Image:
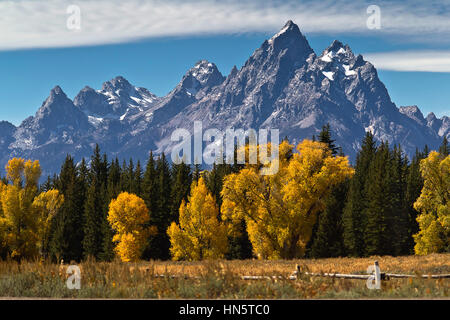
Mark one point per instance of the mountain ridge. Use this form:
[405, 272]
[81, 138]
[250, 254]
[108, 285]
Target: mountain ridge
[284, 84]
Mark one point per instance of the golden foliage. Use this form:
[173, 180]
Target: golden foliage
[200, 235]
[280, 209]
[434, 205]
[25, 216]
[46, 205]
[128, 216]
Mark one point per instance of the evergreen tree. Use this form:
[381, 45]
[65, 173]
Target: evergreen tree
[354, 221]
[112, 191]
[398, 214]
[414, 185]
[96, 207]
[157, 196]
[149, 194]
[130, 177]
[197, 172]
[181, 182]
[114, 179]
[124, 177]
[162, 217]
[325, 137]
[444, 149]
[377, 206]
[48, 184]
[67, 229]
[138, 180]
[328, 239]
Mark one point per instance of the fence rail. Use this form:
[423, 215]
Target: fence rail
[298, 273]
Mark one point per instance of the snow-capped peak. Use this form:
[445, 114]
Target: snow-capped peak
[337, 52]
[337, 59]
[203, 74]
[203, 70]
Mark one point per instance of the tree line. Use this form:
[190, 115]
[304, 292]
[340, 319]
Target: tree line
[316, 206]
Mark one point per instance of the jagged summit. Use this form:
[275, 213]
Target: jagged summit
[57, 91]
[337, 51]
[118, 83]
[206, 73]
[290, 36]
[233, 71]
[56, 98]
[289, 29]
[414, 113]
[431, 116]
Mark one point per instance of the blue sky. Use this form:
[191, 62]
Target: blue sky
[153, 43]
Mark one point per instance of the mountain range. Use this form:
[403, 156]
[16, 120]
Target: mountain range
[284, 85]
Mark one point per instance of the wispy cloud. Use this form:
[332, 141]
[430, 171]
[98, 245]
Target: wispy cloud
[424, 61]
[42, 23]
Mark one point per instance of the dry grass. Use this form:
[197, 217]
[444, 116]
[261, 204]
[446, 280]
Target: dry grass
[431, 264]
[220, 279]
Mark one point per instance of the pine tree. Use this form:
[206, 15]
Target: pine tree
[197, 172]
[328, 240]
[149, 194]
[353, 219]
[414, 185]
[130, 177]
[114, 179]
[325, 137]
[138, 180]
[376, 210]
[48, 184]
[444, 149]
[112, 191]
[157, 196]
[398, 214]
[124, 177]
[67, 230]
[96, 207]
[181, 182]
[162, 217]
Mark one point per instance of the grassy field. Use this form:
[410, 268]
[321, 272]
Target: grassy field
[221, 279]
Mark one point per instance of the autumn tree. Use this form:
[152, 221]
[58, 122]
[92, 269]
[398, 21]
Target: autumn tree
[434, 205]
[128, 216]
[327, 237]
[200, 235]
[46, 205]
[280, 209]
[25, 216]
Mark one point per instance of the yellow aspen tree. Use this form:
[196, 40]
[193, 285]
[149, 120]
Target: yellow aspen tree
[46, 205]
[128, 217]
[280, 209]
[2, 217]
[19, 220]
[200, 235]
[434, 206]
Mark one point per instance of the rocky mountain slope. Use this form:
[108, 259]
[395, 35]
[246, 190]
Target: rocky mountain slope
[284, 85]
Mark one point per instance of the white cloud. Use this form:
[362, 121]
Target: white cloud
[42, 23]
[425, 61]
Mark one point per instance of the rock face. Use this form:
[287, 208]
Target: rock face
[284, 85]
